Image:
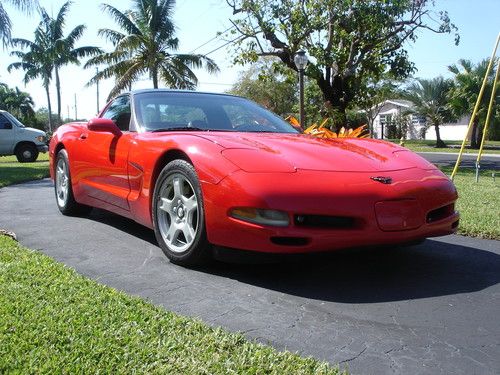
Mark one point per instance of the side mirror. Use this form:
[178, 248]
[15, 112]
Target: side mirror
[103, 125]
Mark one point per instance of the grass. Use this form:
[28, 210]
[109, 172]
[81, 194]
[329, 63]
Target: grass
[13, 172]
[491, 147]
[478, 203]
[53, 320]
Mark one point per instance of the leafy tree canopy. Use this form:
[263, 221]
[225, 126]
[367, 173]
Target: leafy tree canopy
[263, 85]
[348, 41]
[463, 97]
[18, 103]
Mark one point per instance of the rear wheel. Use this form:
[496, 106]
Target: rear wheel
[178, 215]
[62, 187]
[26, 153]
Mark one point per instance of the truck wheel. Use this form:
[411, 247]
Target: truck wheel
[62, 187]
[26, 153]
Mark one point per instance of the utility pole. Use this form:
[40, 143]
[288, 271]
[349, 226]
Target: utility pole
[67, 108]
[76, 110]
[96, 73]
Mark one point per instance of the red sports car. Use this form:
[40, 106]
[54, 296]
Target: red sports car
[208, 169]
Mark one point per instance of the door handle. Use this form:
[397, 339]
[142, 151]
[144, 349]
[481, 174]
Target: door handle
[83, 136]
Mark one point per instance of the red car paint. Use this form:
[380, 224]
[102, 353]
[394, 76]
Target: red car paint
[307, 177]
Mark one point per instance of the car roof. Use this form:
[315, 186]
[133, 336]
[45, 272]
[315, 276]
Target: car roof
[190, 92]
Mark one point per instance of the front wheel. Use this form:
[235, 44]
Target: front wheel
[178, 215]
[26, 153]
[62, 187]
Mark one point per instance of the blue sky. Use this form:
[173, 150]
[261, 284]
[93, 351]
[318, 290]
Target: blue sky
[199, 20]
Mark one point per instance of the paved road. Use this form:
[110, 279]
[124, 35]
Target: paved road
[488, 161]
[430, 309]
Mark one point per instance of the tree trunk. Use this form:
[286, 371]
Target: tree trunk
[154, 75]
[474, 135]
[46, 86]
[334, 101]
[58, 90]
[439, 141]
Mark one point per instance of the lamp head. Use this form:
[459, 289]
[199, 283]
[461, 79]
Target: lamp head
[300, 60]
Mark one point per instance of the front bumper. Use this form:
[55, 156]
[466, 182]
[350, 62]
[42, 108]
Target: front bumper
[406, 213]
[42, 148]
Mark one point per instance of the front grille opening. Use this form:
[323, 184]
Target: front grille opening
[290, 241]
[323, 221]
[440, 213]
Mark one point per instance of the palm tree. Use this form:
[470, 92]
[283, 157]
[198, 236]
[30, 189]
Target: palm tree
[463, 97]
[430, 98]
[17, 102]
[35, 62]
[61, 49]
[147, 44]
[5, 22]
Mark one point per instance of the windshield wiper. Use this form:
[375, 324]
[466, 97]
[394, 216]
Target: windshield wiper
[182, 128]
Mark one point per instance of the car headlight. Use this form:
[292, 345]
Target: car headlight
[41, 139]
[259, 216]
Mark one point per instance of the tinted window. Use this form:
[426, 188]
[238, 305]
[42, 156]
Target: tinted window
[171, 110]
[4, 123]
[119, 112]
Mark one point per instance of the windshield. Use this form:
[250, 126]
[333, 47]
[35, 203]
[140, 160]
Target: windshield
[165, 111]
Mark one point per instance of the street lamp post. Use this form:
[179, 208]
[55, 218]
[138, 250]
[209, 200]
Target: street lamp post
[300, 61]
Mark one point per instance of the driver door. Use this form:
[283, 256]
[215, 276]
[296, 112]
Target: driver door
[104, 156]
[7, 136]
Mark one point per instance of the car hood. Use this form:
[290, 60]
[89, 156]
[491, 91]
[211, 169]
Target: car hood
[271, 152]
[34, 131]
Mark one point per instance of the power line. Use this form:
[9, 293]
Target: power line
[225, 44]
[215, 37]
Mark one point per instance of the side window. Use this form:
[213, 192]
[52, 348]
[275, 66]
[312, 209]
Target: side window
[119, 112]
[4, 123]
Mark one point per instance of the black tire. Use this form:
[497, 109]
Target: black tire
[181, 249]
[26, 153]
[66, 204]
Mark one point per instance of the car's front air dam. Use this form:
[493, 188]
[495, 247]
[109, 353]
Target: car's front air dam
[340, 194]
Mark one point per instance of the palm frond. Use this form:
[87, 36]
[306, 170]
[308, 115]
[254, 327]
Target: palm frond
[5, 26]
[127, 78]
[111, 35]
[121, 19]
[74, 35]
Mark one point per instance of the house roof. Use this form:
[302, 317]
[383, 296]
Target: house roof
[399, 102]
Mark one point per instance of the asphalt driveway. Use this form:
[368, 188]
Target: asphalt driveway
[446, 159]
[432, 308]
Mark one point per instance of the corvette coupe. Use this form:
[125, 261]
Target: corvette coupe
[205, 170]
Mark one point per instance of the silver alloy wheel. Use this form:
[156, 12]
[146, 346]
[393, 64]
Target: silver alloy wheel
[62, 182]
[177, 212]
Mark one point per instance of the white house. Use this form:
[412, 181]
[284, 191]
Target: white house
[396, 113]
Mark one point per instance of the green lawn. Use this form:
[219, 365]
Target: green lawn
[491, 147]
[478, 203]
[53, 320]
[13, 172]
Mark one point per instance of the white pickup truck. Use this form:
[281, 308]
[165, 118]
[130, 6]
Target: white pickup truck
[17, 139]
